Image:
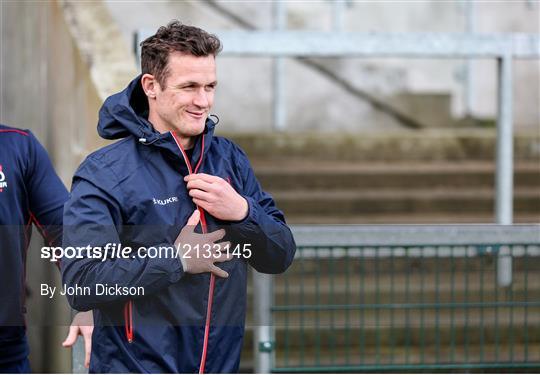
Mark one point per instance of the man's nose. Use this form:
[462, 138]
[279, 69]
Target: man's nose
[201, 99]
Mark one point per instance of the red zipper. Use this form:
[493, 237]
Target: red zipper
[128, 320]
[128, 307]
[212, 276]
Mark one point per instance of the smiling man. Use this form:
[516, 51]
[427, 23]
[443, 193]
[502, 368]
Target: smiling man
[170, 184]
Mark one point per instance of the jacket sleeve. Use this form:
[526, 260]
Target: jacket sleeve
[272, 243]
[46, 193]
[92, 216]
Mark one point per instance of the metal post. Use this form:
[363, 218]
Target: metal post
[504, 174]
[338, 13]
[77, 357]
[468, 76]
[279, 110]
[78, 352]
[263, 329]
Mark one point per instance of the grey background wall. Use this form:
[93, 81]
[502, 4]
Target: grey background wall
[41, 90]
[315, 102]
[50, 83]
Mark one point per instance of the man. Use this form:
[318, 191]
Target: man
[30, 193]
[152, 189]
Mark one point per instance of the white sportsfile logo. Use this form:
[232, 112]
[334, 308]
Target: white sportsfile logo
[163, 202]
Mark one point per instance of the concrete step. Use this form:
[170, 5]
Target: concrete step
[306, 290]
[368, 348]
[473, 330]
[385, 310]
[326, 355]
[397, 201]
[407, 177]
[394, 290]
[372, 273]
[342, 193]
[401, 218]
[431, 109]
[333, 176]
[399, 146]
[382, 320]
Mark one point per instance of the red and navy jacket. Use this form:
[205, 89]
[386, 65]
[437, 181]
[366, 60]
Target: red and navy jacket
[30, 193]
[133, 193]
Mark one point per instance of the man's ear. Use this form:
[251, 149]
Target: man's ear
[149, 85]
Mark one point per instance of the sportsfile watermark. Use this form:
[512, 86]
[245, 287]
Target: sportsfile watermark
[118, 251]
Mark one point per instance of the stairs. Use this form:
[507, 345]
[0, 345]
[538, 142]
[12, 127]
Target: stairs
[429, 192]
[410, 178]
[428, 176]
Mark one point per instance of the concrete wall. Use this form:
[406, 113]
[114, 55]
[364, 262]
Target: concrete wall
[35, 71]
[53, 79]
[244, 95]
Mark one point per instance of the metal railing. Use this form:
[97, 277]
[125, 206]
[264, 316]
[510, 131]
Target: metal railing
[397, 298]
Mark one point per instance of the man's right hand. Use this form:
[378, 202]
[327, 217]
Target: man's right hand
[201, 258]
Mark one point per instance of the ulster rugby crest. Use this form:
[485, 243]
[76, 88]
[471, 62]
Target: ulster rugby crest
[3, 182]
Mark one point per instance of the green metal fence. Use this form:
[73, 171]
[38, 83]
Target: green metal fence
[408, 303]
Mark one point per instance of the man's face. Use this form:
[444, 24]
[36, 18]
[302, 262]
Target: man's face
[184, 102]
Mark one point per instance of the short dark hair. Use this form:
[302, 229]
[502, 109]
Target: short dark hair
[175, 37]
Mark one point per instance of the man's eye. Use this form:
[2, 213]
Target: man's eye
[210, 87]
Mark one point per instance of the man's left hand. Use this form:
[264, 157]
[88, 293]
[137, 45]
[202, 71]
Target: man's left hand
[217, 197]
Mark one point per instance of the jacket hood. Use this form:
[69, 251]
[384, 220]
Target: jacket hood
[126, 113]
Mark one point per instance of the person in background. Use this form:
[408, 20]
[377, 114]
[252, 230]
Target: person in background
[30, 193]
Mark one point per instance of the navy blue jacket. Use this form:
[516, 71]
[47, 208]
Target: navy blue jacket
[30, 193]
[132, 192]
